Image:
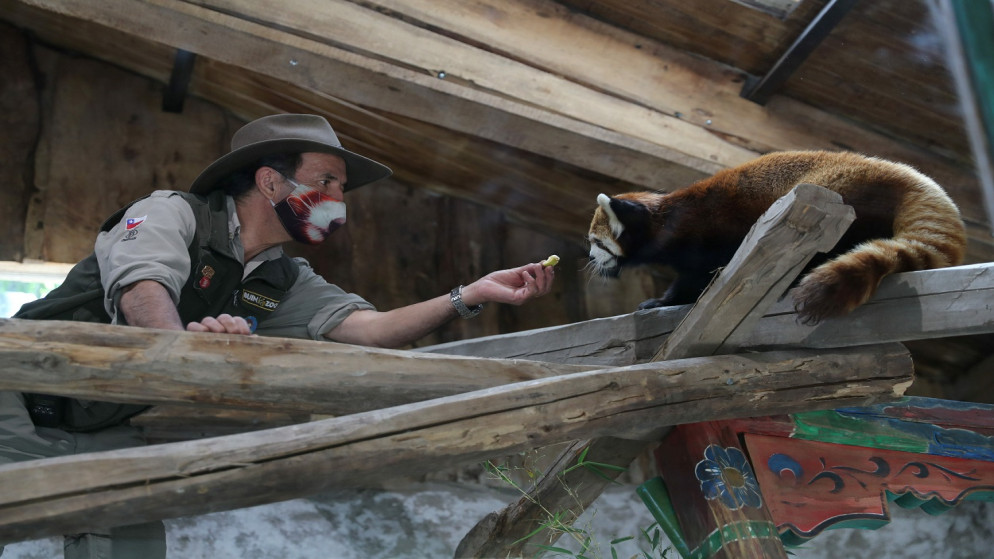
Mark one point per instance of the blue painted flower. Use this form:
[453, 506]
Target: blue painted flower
[726, 474]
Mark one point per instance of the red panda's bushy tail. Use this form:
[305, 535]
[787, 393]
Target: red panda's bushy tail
[928, 233]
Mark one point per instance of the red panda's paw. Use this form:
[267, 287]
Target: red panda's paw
[831, 290]
[654, 303]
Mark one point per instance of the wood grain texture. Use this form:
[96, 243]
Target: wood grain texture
[20, 115]
[121, 364]
[922, 305]
[63, 495]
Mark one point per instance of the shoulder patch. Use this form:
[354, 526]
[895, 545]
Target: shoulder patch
[133, 222]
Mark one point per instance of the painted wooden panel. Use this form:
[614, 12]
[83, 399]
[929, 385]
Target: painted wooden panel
[810, 486]
[715, 494]
[818, 470]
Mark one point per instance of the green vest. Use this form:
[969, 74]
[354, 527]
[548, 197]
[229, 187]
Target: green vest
[215, 287]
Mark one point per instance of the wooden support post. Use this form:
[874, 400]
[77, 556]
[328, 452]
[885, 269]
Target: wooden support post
[806, 220]
[715, 495]
[739, 296]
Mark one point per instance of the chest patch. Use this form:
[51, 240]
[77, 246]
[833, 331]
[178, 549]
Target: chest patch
[259, 300]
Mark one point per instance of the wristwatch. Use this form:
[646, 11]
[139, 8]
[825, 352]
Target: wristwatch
[466, 312]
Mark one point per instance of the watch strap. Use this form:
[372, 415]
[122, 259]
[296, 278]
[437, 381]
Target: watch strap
[466, 312]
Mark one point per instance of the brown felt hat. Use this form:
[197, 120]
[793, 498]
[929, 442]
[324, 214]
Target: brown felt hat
[287, 133]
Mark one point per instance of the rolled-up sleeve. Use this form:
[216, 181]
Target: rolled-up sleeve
[312, 307]
[151, 242]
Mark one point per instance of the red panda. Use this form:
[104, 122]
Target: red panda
[904, 222]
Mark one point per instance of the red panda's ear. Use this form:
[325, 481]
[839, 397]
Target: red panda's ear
[629, 212]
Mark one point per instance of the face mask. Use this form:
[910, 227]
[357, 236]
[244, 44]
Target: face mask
[308, 215]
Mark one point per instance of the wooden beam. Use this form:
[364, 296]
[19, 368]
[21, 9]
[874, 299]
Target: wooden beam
[140, 365]
[910, 306]
[302, 43]
[549, 36]
[72, 493]
[544, 38]
[809, 219]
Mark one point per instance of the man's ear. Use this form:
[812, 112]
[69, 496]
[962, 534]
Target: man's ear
[267, 180]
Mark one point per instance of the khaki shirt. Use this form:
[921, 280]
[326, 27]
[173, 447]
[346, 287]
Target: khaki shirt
[151, 243]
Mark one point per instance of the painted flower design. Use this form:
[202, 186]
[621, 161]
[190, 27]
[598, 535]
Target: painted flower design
[726, 474]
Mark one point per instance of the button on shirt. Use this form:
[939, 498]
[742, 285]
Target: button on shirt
[151, 242]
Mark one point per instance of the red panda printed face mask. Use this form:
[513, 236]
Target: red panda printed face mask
[308, 215]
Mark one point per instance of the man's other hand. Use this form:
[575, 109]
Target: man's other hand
[222, 324]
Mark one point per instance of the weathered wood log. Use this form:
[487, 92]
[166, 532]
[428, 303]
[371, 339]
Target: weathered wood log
[730, 307]
[73, 493]
[161, 424]
[909, 306]
[122, 364]
[806, 220]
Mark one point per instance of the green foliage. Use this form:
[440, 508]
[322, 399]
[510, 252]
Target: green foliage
[559, 523]
[594, 467]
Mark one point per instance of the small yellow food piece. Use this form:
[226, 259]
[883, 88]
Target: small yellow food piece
[550, 261]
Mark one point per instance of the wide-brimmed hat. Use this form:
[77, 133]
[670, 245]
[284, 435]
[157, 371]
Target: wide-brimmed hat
[287, 133]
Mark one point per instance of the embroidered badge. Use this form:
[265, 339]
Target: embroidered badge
[130, 236]
[205, 277]
[260, 301]
[133, 222]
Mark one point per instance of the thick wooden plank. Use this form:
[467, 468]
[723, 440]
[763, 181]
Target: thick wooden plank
[909, 306]
[387, 75]
[807, 220]
[369, 31]
[669, 79]
[64, 495]
[118, 134]
[122, 364]
[876, 66]
[183, 423]
[702, 26]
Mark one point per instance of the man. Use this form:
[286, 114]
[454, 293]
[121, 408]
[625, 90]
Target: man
[211, 261]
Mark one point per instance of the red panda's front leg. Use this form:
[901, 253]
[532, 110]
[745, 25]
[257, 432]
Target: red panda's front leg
[684, 290]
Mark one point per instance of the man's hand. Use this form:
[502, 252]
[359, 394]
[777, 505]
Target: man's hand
[223, 324]
[147, 304]
[514, 286]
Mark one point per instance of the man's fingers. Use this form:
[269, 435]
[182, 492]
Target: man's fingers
[223, 324]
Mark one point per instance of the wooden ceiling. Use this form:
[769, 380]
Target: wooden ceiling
[535, 106]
